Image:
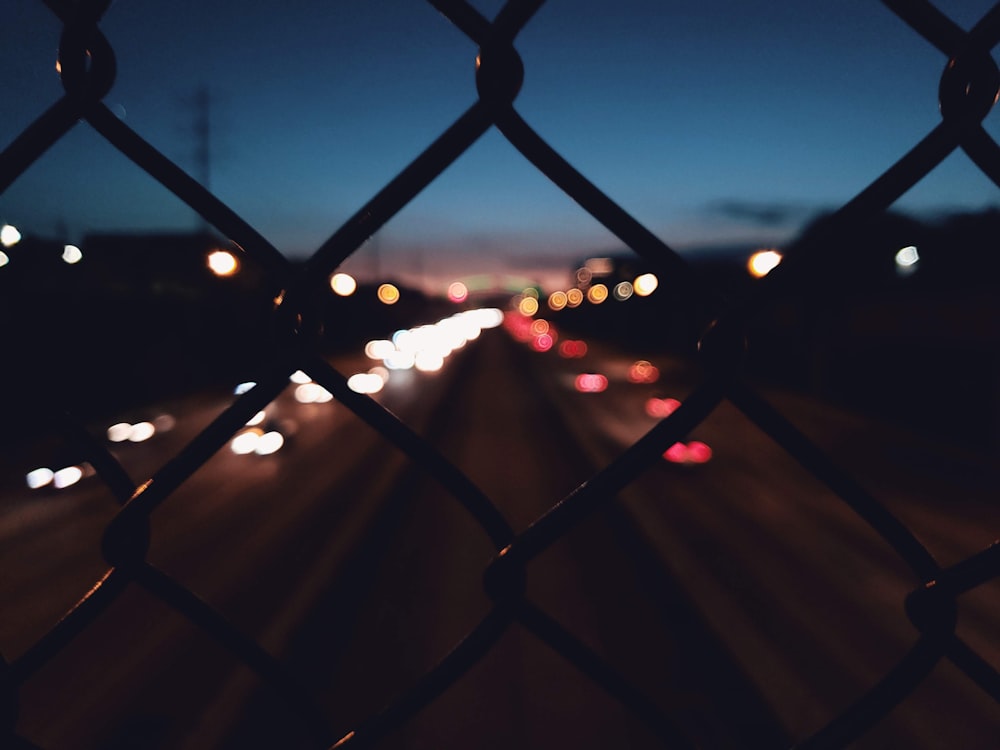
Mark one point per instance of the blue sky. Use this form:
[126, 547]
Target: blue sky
[711, 122]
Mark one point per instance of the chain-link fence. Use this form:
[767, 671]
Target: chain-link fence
[292, 324]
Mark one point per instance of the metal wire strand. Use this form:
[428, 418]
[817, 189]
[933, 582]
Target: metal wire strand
[967, 89]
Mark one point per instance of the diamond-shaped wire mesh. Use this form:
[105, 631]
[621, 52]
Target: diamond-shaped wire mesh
[293, 299]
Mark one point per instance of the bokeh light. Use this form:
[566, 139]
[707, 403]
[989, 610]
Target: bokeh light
[343, 284]
[67, 477]
[645, 284]
[623, 290]
[591, 382]
[245, 442]
[367, 382]
[643, 371]
[597, 294]
[528, 306]
[542, 342]
[72, 254]
[222, 263]
[268, 443]
[39, 477]
[661, 407]
[388, 294]
[762, 262]
[572, 349]
[9, 236]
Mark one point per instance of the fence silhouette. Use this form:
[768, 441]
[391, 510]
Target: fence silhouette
[968, 89]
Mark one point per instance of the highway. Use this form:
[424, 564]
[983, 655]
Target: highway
[740, 595]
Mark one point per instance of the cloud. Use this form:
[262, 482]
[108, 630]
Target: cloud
[762, 213]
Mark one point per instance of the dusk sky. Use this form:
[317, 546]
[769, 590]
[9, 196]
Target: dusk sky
[712, 122]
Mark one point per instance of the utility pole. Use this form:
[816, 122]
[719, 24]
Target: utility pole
[202, 134]
[200, 129]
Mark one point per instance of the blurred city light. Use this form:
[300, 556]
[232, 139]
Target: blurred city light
[222, 263]
[312, 393]
[486, 317]
[299, 377]
[388, 294]
[572, 349]
[906, 260]
[645, 284]
[9, 236]
[366, 382]
[398, 360]
[643, 371]
[591, 382]
[343, 284]
[4, 259]
[597, 294]
[458, 292]
[379, 349]
[558, 300]
[118, 433]
[134, 433]
[623, 290]
[428, 361]
[762, 262]
[542, 342]
[574, 298]
[245, 442]
[72, 254]
[39, 477]
[661, 407]
[67, 477]
[268, 443]
[695, 452]
[141, 432]
[528, 306]
[698, 452]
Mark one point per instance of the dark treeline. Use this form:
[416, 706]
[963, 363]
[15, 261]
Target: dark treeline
[919, 344]
[141, 318]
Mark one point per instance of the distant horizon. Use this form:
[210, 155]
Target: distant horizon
[710, 124]
[432, 272]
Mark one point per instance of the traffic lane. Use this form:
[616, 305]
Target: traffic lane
[766, 533]
[427, 593]
[52, 536]
[245, 533]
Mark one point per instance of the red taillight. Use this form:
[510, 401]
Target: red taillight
[643, 372]
[542, 343]
[676, 453]
[591, 382]
[572, 349]
[661, 407]
[698, 452]
[695, 452]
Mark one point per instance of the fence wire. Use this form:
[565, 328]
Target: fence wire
[968, 89]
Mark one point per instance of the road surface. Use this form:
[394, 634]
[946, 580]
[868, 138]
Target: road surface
[744, 599]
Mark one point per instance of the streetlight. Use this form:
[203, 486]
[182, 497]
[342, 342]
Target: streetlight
[223, 263]
[9, 236]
